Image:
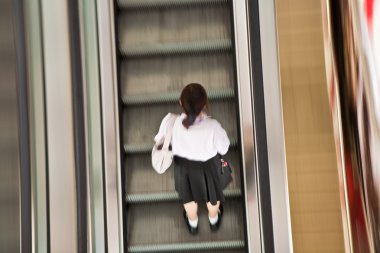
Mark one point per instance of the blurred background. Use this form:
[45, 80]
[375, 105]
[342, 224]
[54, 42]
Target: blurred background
[309, 137]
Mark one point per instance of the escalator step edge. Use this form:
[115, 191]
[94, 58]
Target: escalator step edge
[181, 48]
[142, 198]
[151, 4]
[172, 97]
[146, 148]
[186, 247]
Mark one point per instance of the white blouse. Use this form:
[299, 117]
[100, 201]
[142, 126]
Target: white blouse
[200, 142]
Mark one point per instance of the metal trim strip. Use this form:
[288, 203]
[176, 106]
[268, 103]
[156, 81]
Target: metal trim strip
[246, 126]
[59, 126]
[109, 95]
[91, 80]
[38, 162]
[282, 236]
[23, 126]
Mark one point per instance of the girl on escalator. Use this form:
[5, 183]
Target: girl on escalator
[197, 143]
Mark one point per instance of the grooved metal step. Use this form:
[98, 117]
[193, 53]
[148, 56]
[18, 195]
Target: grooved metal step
[186, 247]
[171, 97]
[133, 149]
[179, 48]
[142, 198]
[148, 4]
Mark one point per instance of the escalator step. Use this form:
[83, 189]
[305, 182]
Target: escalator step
[163, 223]
[142, 198]
[133, 149]
[179, 48]
[171, 97]
[138, 4]
[186, 247]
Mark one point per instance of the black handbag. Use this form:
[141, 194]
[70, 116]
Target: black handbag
[225, 173]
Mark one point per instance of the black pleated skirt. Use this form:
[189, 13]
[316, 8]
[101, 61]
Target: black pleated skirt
[198, 181]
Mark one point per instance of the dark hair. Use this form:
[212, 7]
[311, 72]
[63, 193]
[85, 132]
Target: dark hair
[193, 99]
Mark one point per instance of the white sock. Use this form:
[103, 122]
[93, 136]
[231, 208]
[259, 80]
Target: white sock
[214, 220]
[193, 223]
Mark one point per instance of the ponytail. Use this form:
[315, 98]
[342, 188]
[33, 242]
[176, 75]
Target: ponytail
[189, 120]
[193, 100]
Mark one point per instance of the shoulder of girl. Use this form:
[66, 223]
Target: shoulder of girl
[212, 121]
[217, 124]
[169, 115]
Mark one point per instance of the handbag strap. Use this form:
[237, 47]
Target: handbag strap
[169, 131]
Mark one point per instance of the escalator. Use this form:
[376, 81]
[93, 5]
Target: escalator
[164, 45]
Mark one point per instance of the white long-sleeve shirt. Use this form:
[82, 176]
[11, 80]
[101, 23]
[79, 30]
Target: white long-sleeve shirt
[200, 142]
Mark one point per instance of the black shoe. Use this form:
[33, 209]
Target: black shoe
[191, 229]
[215, 227]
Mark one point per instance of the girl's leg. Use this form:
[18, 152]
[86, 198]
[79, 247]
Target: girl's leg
[213, 209]
[215, 213]
[191, 210]
[191, 216]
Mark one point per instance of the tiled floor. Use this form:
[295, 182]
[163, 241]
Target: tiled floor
[310, 150]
